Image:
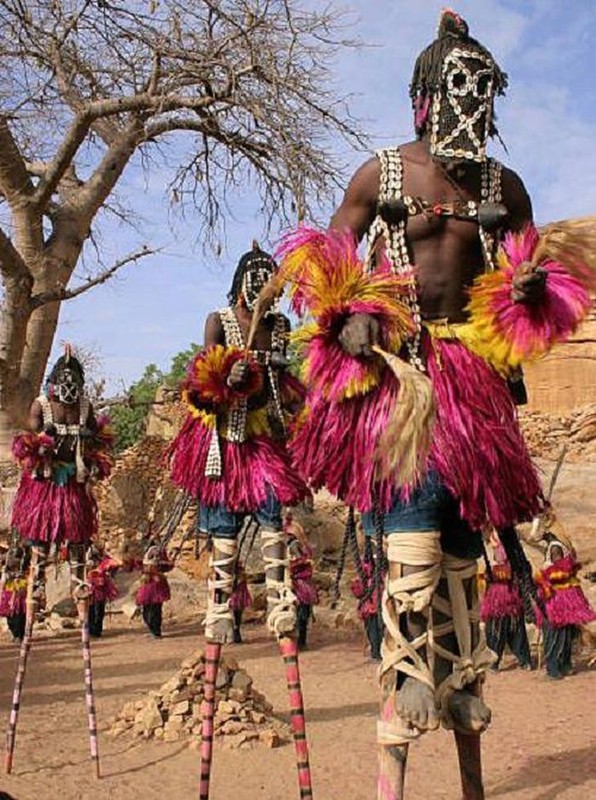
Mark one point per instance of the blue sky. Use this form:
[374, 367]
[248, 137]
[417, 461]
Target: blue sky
[548, 122]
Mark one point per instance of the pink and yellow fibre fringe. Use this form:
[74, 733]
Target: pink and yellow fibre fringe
[566, 604]
[153, 589]
[478, 448]
[509, 333]
[328, 282]
[45, 512]
[206, 378]
[334, 442]
[250, 469]
[32, 451]
[13, 597]
[502, 597]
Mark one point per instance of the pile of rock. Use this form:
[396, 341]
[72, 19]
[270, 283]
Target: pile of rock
[547, 434]
[173, 712]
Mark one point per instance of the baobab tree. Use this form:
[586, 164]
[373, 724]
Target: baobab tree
[88, 87]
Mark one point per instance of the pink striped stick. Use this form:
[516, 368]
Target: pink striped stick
[83, 609]
[31, 607]
[289, 651]
[212, 656]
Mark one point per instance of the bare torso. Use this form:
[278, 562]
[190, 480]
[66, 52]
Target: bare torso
[62, 414]
[446, 252]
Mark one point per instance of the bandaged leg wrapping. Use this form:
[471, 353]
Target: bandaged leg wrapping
[76, 562]
[281, 602]
[460, 610]
[219, 622]
[404, 594]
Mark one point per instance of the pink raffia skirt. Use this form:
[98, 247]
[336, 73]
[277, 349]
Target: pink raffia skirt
[45, 512]
[156, 590]
[103, 591]
[569, 606]
[501, 600]
[13, 601]
[478, 448]
[249, 470]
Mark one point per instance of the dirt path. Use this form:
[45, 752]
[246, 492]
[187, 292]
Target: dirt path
[542, 744]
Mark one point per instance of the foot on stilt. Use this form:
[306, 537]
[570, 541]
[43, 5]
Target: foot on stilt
[415, 703]
[468, 712]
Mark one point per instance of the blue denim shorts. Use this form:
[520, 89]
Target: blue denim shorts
[225, 524]
[431, 507]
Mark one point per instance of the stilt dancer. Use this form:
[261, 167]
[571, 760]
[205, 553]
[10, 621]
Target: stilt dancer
[65, 449]
[456, 290]
[231, 455]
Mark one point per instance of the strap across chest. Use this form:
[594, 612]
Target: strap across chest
[235, 338]
[394, 208]
[61, 428]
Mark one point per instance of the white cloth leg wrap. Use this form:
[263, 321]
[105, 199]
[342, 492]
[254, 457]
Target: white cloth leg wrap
[219, 623]
[403, 594]
[281, 601]
[471, 663]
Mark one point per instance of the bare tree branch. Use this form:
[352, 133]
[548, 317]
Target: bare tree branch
[11, 263]
[15, 183]
[219, 95]
[58, 295]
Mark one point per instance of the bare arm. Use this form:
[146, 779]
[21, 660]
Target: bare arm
[517, 201]
[358, 207]
[36, 417]
[356, 213]
[214, 332]
[528, 283]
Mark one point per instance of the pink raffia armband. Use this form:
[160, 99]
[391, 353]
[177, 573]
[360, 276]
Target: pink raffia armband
[33, 451]
[328, 282]
[206, 379]
[506, 333]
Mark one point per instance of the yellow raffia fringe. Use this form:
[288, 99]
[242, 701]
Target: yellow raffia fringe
[331, 291]
[257, 421]
[404, 446]
[478, 340]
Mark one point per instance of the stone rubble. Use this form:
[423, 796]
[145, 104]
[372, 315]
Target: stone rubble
[243, 717]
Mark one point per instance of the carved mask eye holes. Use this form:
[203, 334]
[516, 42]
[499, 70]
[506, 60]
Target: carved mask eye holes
[483, 84]
[457, 82]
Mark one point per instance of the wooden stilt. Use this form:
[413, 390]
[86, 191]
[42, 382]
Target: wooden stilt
[212, 656]
[31, 608]
[289, 651]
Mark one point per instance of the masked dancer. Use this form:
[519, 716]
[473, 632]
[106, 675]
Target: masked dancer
[154, 590]
[65, 450]
[411, 362]
[102, 588]
[231, 455]
[502, 610]
[13, 590]
[567, 607]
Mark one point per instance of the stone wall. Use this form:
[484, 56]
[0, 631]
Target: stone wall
[566, 378]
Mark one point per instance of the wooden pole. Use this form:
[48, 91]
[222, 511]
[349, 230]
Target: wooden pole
[31, 608]
[82, 601]
[289, 651]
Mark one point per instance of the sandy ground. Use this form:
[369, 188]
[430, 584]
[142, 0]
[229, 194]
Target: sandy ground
[541, 746]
